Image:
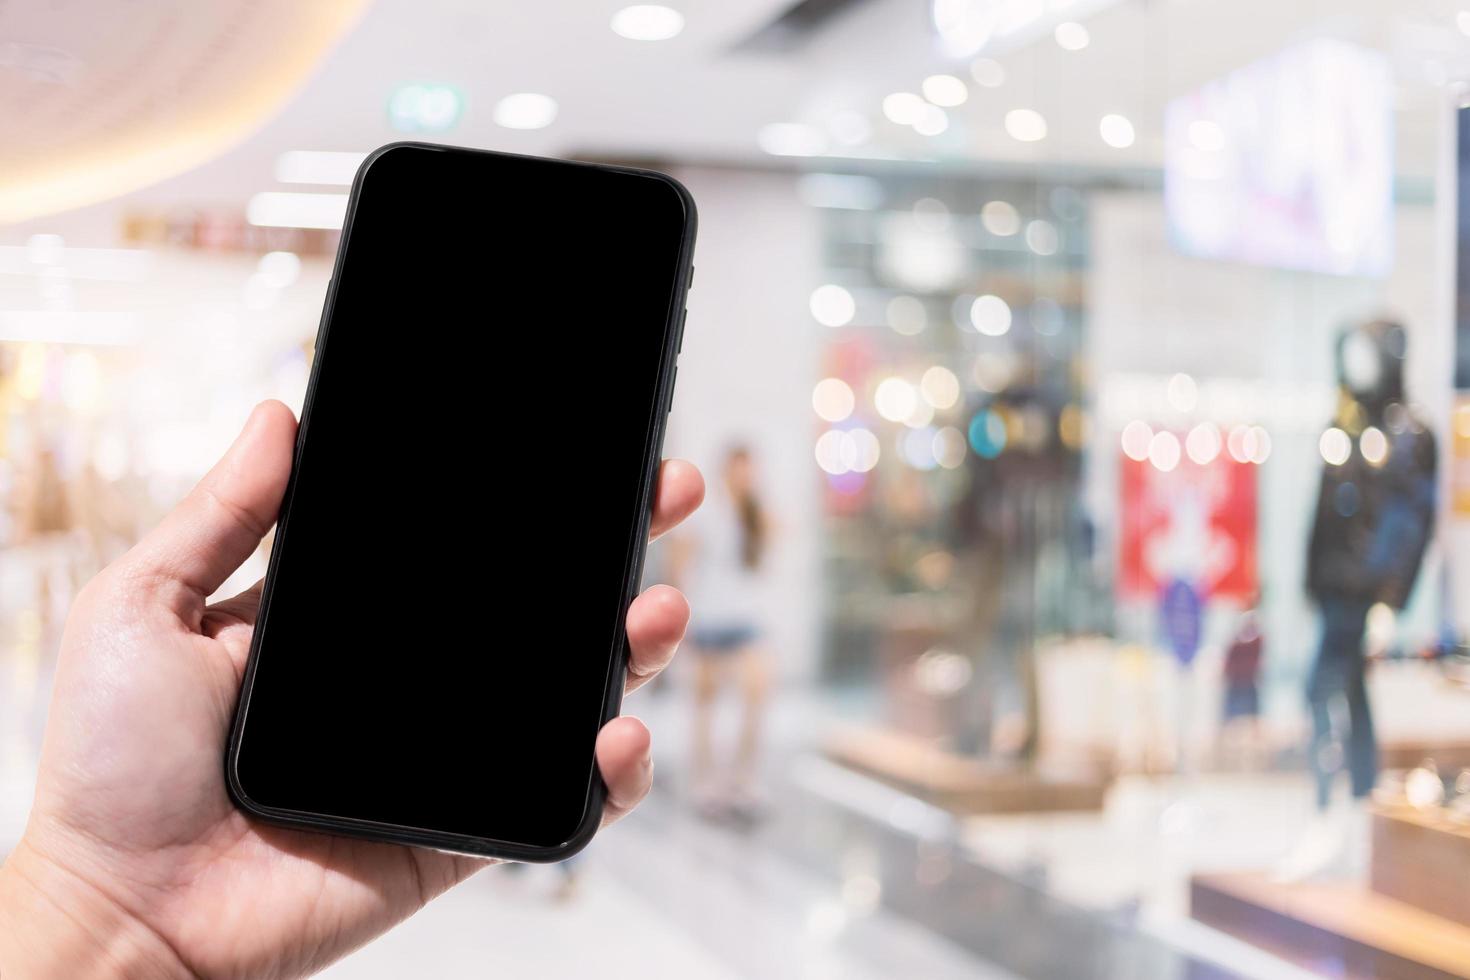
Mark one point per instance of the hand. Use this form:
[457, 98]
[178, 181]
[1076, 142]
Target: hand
[134, 861]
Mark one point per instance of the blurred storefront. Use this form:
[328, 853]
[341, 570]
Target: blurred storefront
[1045, 324]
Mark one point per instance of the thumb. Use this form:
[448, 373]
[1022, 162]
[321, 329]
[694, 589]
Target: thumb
[223, 519]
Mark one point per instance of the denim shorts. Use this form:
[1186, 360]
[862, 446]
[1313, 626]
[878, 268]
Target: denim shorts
[721, 640]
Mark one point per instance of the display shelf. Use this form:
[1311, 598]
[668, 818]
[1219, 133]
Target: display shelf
[1422, 858]
[1337, 928]
[962, 783]
[1403, 753]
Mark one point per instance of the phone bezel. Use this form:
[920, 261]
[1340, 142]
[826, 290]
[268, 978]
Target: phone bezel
[618, 661]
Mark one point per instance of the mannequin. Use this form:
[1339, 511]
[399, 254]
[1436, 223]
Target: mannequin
[1375, 514]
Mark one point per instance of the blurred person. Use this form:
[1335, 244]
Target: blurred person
[134, 862]
[45, 536]
[1374, 517]
[722, 560]
[1241, 714]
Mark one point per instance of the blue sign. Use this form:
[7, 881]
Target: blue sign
[1181, 613]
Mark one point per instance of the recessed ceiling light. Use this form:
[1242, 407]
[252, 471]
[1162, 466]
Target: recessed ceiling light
[525, 110]
[647, 22]
[786, 139]
[1026, 125]
[904, 108]
[988, 73]
[933, 121]
[1072, 36]
[1116, 131]
[945, 90]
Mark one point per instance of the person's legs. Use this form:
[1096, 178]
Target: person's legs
[1324, 683]
[755, 683]
[707, 670]
[1339, 661]
[1362, 747]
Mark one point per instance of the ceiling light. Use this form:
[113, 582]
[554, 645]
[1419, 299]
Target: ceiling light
[525, 110]
[904, 108]
[647, 22]
[1116, 131]
[288, 209]
[933, 121]
[786, 139]
[964, 26]
[1026, 125]
[317, 167]
[1072, 36]
[988, 73]
[424, 108]
[945, 90]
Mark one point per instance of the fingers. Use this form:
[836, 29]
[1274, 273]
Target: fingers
[657, 620]
[680, 491]
[626, 765]
[240, 609]
[222, 520]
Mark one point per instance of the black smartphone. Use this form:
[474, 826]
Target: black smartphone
[441, 635]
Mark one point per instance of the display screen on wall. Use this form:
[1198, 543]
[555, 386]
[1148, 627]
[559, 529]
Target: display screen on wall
[1287, 162]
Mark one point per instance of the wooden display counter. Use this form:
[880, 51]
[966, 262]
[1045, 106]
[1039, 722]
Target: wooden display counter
[1422, 859]
[1408, 753]
[1337, 929]
[961, 783]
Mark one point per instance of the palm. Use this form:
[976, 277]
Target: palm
[131, 794]
[156, 802]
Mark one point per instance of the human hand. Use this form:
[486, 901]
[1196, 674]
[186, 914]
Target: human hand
[134, 861]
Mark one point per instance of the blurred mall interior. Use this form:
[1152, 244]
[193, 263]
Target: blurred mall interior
[1096, 364]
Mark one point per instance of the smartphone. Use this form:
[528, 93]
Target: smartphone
[441, 628]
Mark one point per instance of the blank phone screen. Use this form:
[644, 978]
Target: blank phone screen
[454, 556]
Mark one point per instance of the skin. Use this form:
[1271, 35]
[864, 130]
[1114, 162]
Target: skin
[134, 863]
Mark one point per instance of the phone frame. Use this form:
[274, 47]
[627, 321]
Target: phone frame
[673, 330]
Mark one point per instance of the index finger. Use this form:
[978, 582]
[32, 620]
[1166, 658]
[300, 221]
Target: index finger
[680, 490]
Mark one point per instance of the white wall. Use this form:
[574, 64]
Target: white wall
[750, 359]
[1154, 311]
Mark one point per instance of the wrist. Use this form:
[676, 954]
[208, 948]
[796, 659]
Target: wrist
[53, 923]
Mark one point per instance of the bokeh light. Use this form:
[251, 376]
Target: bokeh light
[895, 399]
[990, 315]
[1136, 437]
[832, 306]
[1203, 443]
[1163, 451]
[1335, 446]
[949, 447]
[907, 315]
[1000, 218]
[832, 399]
[940, 387]
[988, 434]
[1373, 444]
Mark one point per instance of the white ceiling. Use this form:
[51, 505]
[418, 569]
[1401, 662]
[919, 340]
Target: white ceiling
[693, 97]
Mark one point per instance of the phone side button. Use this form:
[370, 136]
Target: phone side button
[672, 382]
[683, 318]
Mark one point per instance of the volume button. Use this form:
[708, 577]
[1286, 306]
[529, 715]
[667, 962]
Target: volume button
[683, 317]
[672, 381]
